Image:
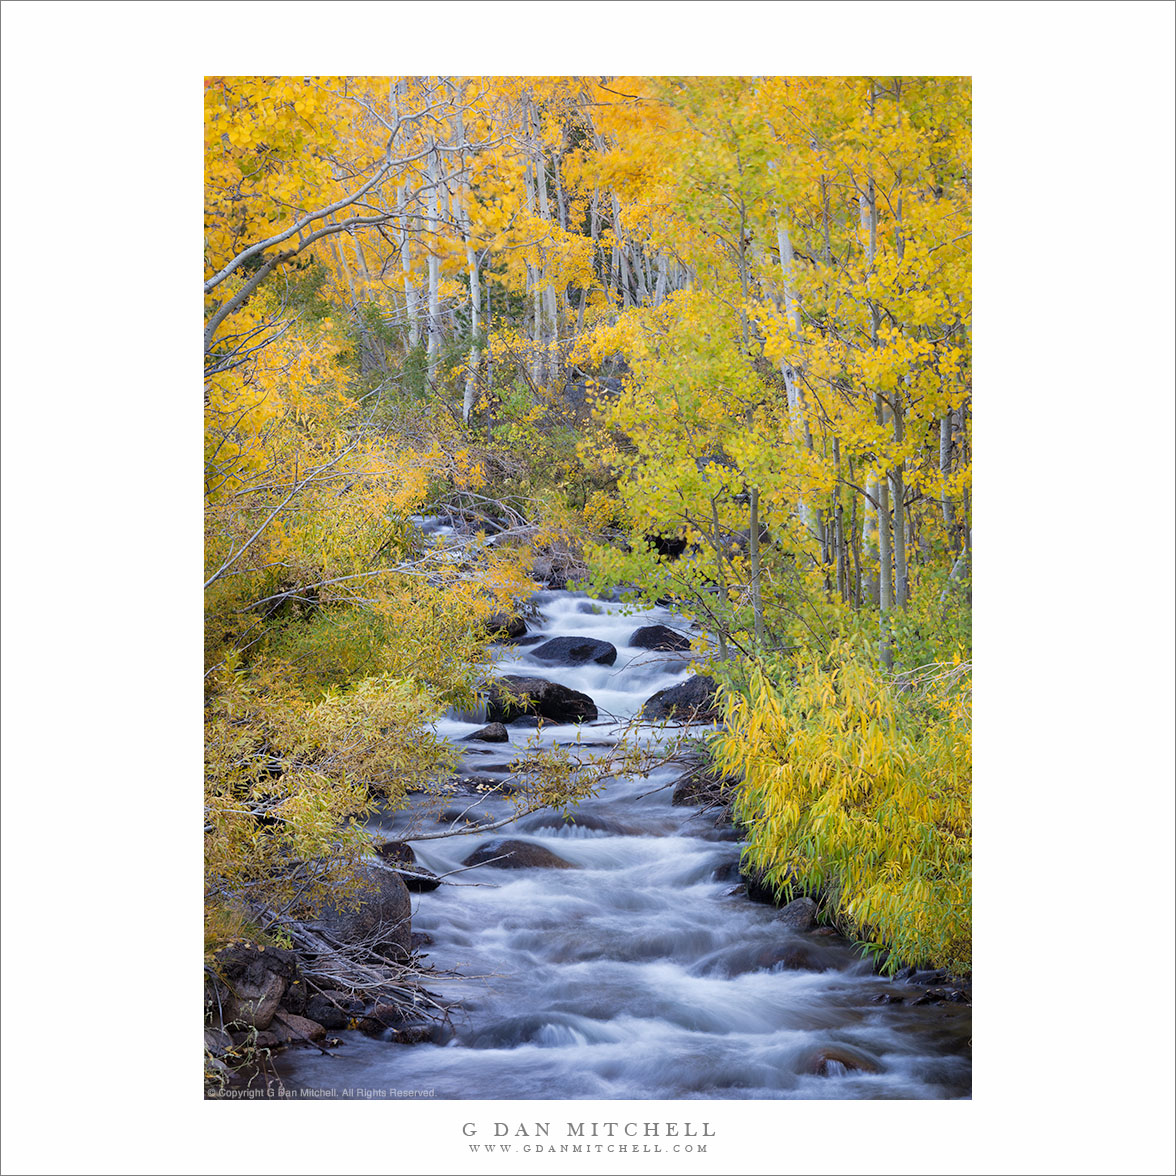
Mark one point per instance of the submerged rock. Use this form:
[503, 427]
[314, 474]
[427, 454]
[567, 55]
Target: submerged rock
[659, 637]
[514, 854]
[576, 651]
[691, 701]
[836, 1059]
[514, 695]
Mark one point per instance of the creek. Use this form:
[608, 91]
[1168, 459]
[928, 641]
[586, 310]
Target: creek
[644, 972]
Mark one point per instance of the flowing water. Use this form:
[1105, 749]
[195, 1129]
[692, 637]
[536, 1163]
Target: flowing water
[642, 973]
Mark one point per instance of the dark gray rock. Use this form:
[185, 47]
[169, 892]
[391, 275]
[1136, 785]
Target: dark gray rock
[514, 695]
[379, 912]
[416, 877]
[491, 733]
[514, 854]
[659, 637]
[692, 701]
[502, 624]
[252, 979]
[800, 914]
[576, 651]
[334, 1010]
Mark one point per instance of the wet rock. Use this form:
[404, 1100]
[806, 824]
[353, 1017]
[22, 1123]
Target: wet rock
[886, 998]
[526, 722]
[836, 1059]
[931, 996]
[416, 877]
[792, 957]
[800, 914]
[491, 733]
[513, 854]
[380, 911]
[503, 624]
[576, 651]
[590, 821]
[512, 695]
[334, 1010]
[453, 815]
[421, 939]
[929, 979]
[659, 637]
[412, 1034]
[692, 701]
[530, 639]
[728, 872]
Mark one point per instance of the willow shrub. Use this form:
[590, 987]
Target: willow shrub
[858, 784]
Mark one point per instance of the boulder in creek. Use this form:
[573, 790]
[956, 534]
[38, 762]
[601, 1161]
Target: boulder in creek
[513, 695]
[800, 914]
[576, 651]
[379, 911]
[512, 854]
[659, 637]
[253, 979]
[691, 701]
[504, 625]
[416, 877]
[490, 733]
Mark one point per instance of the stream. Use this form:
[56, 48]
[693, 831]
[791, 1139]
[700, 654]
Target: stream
[645, 972]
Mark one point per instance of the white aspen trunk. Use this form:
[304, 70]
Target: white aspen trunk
[945, 465]
[396, 91]
[434, 338]
[659, 292]
[411, 300]
[551, 327]
[471, 379]
[533, 284]
[643, 286]
[870, 542]
[809, 517]
[620, 261]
